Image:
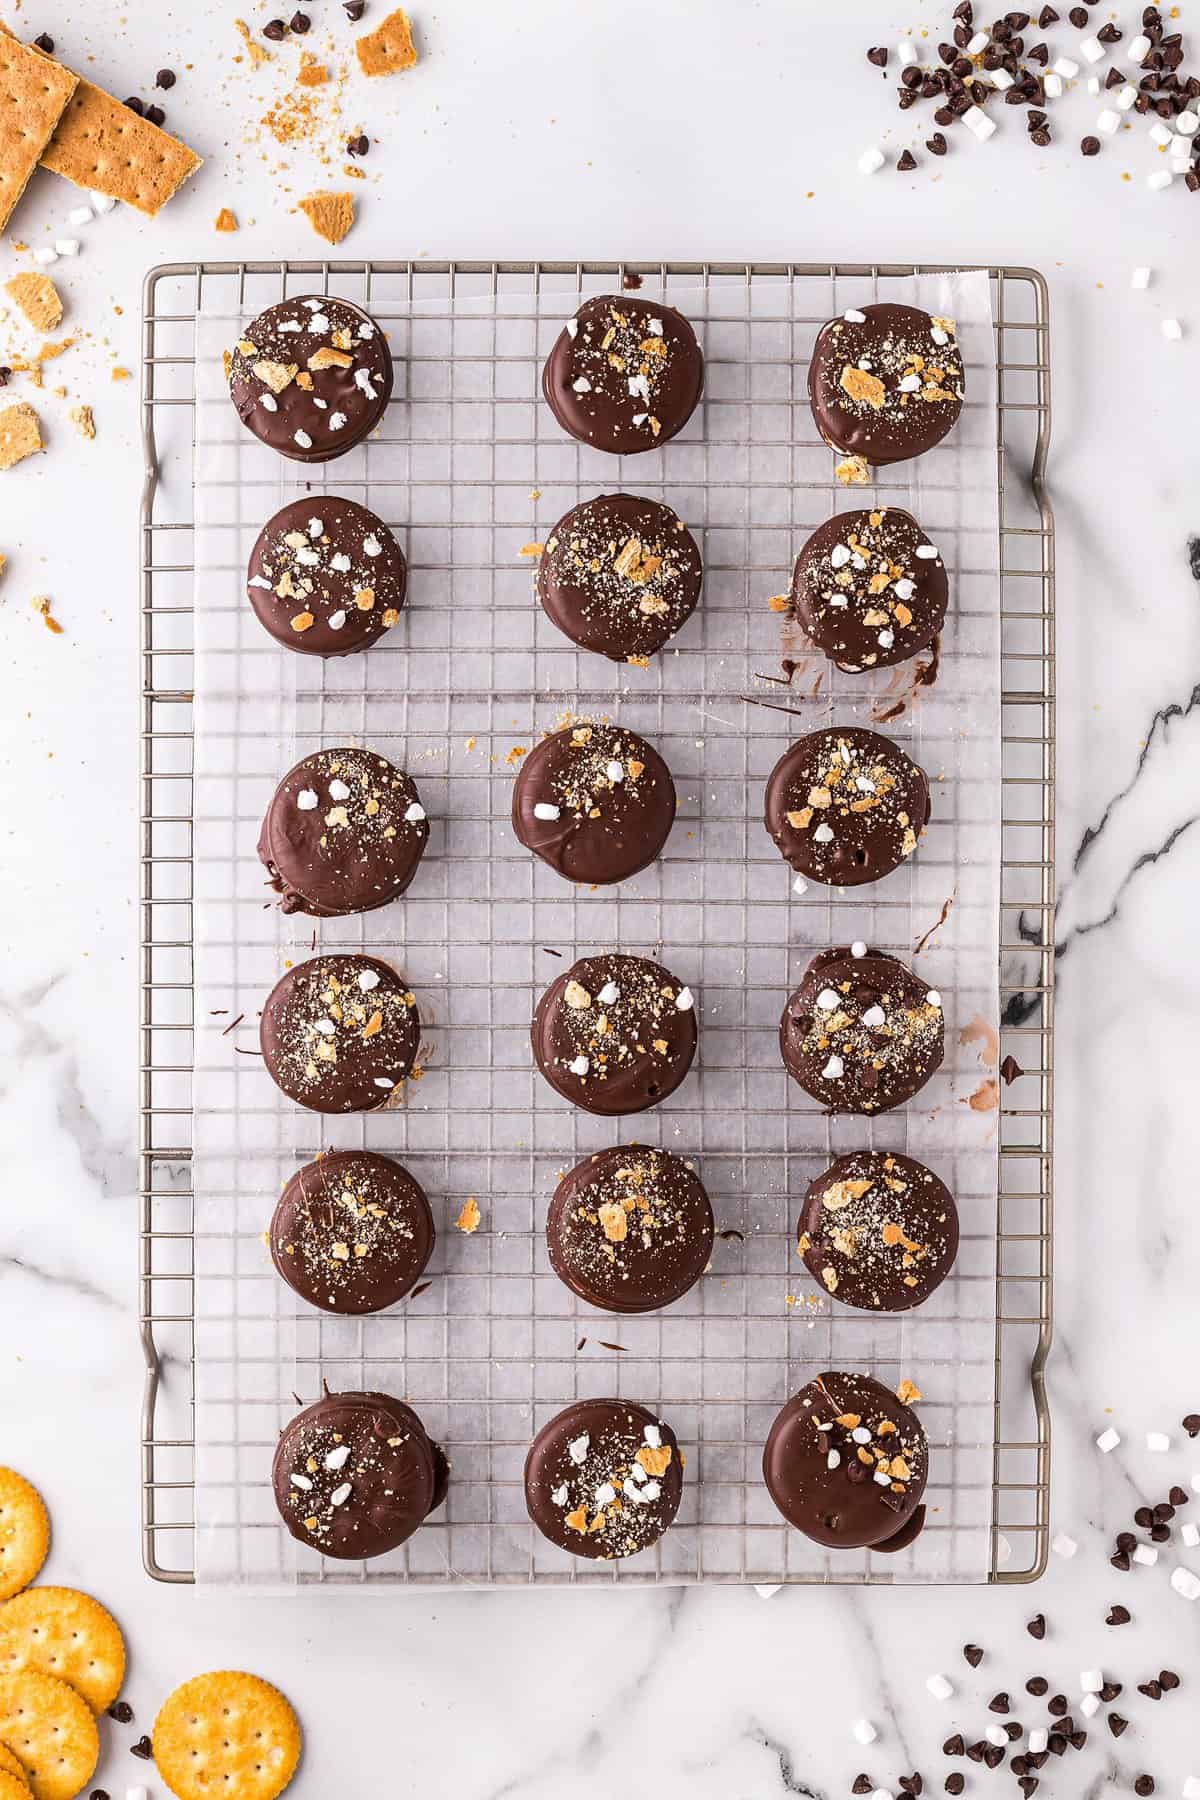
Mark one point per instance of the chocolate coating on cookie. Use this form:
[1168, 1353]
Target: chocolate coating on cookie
[620, 575]
[885, 382]
[352, 1232]
[311, 377]
[595, 802]
[326, 577]
[870, 589]
[630, 1229]
[846, 1462]
[624, 374]
[846, 806]
[603, 1479]
[878, 1231]
[343, 834]
[861, 1033]
[355, 1474]
[615, 1034]
[340, 1033]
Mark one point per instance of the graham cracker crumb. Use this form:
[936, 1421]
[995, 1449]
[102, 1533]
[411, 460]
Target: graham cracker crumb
[41, 604]
[311, 72]
[38, 299]
[254, 49]
[387, 49]
[225, 221]
[82, 420]
[330, 215]
[20, 434]
[468, 1219]
[119, 374]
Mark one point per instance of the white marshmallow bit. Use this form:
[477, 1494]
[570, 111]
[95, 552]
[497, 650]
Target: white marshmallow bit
[102, 202]
[940, 1687]
[1158, 1441]
[605, 1494]
[340, 561]
[882, 1478]
[559, 1495]
[904, 588]
[997, 1735]
[828, 1000]
[882, 1794]
[578, 1448]
[372, 546]
[1089, 1705]
[1091, 1681]
[873, 1017]
[858, 949]
[1093, 85]
[833, 1069]
[1141, 278]
[863, 1732]
[302, 438]
[933, 998]
[1188, 124]
[79, 215]
[852, 316]
[910, 384]
[654, 327]
[1138, 49]
[67, 246]
[1190, 1535]
[326, 1027]
[302, 1482]
[907, 54]
[1158, 134]
[1063, 66]
[368, 979]
[336, 621]
[1052, 85]
[823, 834]
[545, 809]
[1091, 49]
[1162, 178]
[839, 556]
[384, 1081]
[684, 1000]
[1173, 330]
[336, 421]
[414, 812]
[340, 1495]
[1126, 97]
[1146, 1554]
[338, 1457]
[886, 638]
[1185, 1583]
[1191, 1788]
[978, 123]
[978, 44]
[833, 1460]
[1062, 1545]
[799, 886]
[1039, 1737]
[652, 1435]
[870, 161]
[1108, 1440]
[580, 1066]
[268, 402]
[1001, 79]
[861, 1435]
[338, 790]
[45, 256]
[307, 800]
[615, 771]
[1108, 121]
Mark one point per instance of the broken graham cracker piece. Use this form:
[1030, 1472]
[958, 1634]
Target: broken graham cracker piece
[34, 94]
[330, 215]
[20, 434]
[387, 49]
[38, 299]
[102, 146]
[225, 220]
[83, 421]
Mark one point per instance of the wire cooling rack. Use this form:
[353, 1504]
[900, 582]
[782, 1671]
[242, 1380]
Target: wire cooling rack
[1017, 1496]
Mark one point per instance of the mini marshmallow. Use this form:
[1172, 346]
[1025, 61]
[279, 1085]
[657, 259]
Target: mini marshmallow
[579, 1066]
[101, 202]
[881, 1794]
[996, 1734]
[1188, 124]
[1093, 84]
[1039, 1737]
[940, 1687]
[45, 256]
[1196, 1483]
[933, 998]
[1185, 1583]
[1158, 134]
[1089, 1705]
[1146, 1554]
[834, 1069]
[1108, 1440]
[1066, 68]
[1062, 1545]
[870, 161]
[685, 1000]
[545, 809]
[67, 246]
[79, 215]
[799, 886]
[1091, 49]
[1091, 1680]
[1162, 178]
[1191, 1788]
[1108, 121]
[615, 771]
[1190, 1535]
[829, 1000]
[978, 44]
[1141, 278]
[1126, 97]
[907, 53]
[1052, 85]
[864, 1732]
[1001, 79]
[1158, 1441]
[858, 950]
[1138, 49]
[138, 1793]
[414, 813]
[978, 123]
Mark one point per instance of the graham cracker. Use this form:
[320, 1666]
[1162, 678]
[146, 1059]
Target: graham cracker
[34, 93]
[38, 299]
[102, 146]
[388, 48]
[225, 220]
[330, 215]
[20, 436]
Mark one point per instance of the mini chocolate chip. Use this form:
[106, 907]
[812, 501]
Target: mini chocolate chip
[1152, 1689]
[1090, 146]
[300, 23]
[1115, 78]
[1018, 1765]
[993, 1756]
[1192, 181]
[1039, 54]
[936, 145]
[944, 116]
[1160, 1532]
[354, 9]
[1077, 1740]
[1120, 1561]
[973, 1654]
[1164, 1510]
[1056, 1743]
[1109, 34]
[1118, 1615]
[1109, 1691]
[906, 162]
[1192, 1425]
[45, 42]
[98, 1794]
[975, 1751]
[1037, 1685]
[358, 146]
[1078, 16]
[155, 115]
[276, 30]
[1047, 16]
[862, 1784]
[1126, 1541]
[1014, 1730]
[1057, 1706]
[1037, 1626]
[955, 1783]
[143, 1748]
[1028, 1784]
[5, 374]
[1144, 1785]
[165, 79]
[1178, 1496]
[121, 1711]
[1036, 1758]
[135, 105]
[912, 1784]
[954, 1746]
[1144, 1517]
[965, 12]
[1040, 137]
[878, 56]
[1167, 1679]
[1117, 1723]
[1000, 1703]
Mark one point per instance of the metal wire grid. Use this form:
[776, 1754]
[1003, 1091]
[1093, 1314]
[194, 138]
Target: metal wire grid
[1019, 1487]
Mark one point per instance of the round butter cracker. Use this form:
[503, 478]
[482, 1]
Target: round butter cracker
[68, 1634]
[12, 1787]
[226, 1733]
[24, 1532]
[11, 1765]
[50, 1729]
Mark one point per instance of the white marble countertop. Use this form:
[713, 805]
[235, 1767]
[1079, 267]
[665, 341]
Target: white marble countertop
[677, 130]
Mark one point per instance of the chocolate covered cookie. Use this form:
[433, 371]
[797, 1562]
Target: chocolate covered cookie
[352, 1232]
[878, 1231]
[311, 377]
[603, 1479]
[343, 834]
[340, 1033]
[624, 374]
[595, 802]
[846, 1461]
[846, 806]
[870, 589]
[885, 382]
[355, 1474]
[326, 576]
[630, 1229]
[615, 1034]
[861, 1033]
[620, 576]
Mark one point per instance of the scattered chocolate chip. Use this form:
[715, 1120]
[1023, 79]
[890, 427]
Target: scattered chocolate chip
[1037, 1685]
[912, 1784]
[1040, 137]
[1019, 1765]
[1118, 1615]
[135, 105]
[1126, 1541]
[45, 42]
[143, 1748]
[1164, 1510]
[300, 23]
[1192, 1425]
[1120, 1561]
[1014, 1730]
[276, 30]
[97, 1794]
[1000, 1703]
[1028, 1784]
[1117, 1723]
[862, 1784]
[1037, 1626]
[1078, 16]
[4, 376]
[1077, 1740]
[1090, 146]
[1192, 181]
[1160, 1532]
[973, 1654]
[878, 56]
[165, 79]
[154, 115]
[993, 1756]
[1057, 1706]
[1110, 34]
[1167, 1680]
[1035, 1758]
[965, 12]
[1047, 16]
[358, 146]
[954, 1746]
[1152, 1689]
[121, 1711]
[906, 162]
[354, 9]
[1143, 1517]
[1178, 1496]
[1010, 1068]
[975, 1751]
[1056, 1743]
[955, 1783]
[1039, 54]
[936, 145]
[1144, 1785]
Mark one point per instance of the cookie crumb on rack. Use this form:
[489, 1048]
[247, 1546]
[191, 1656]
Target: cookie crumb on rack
[330, 215]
